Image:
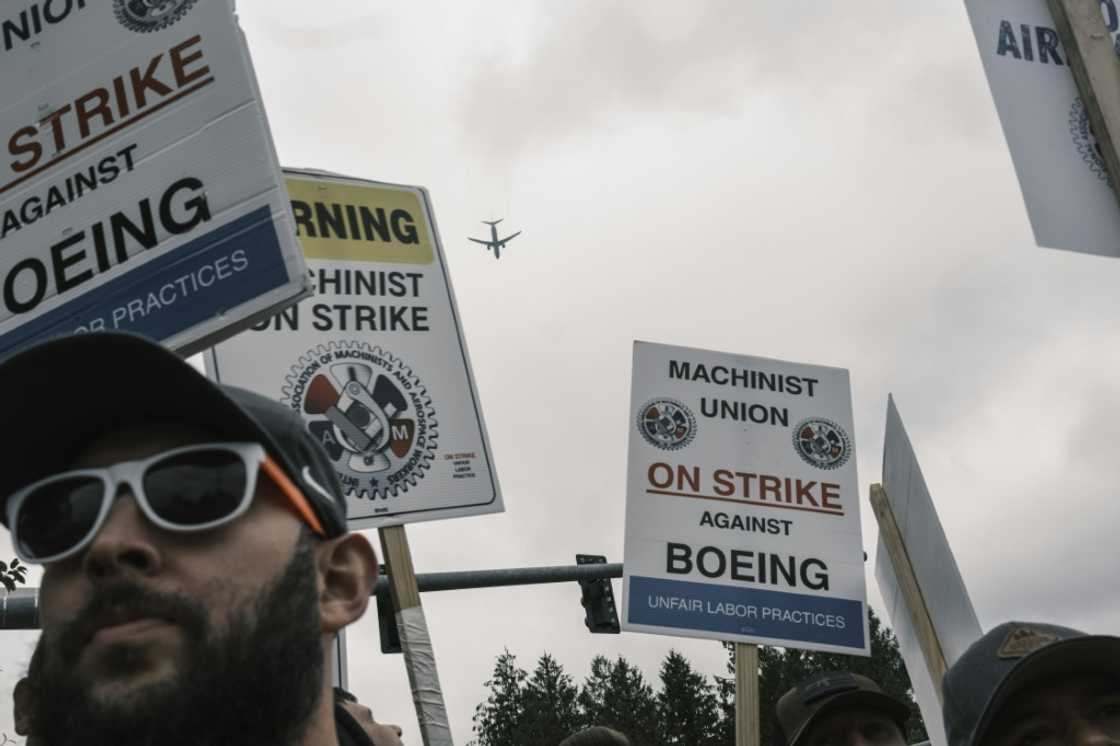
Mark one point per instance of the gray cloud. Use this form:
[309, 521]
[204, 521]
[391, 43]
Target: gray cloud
[330, 36]
[594, 63]
[820, 182]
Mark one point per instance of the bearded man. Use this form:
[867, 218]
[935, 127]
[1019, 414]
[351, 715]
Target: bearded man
[196, 562]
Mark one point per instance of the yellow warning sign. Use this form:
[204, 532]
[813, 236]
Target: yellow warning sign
[350, 222]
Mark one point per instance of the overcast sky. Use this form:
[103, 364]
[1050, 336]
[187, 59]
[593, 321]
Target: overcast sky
[817, 182]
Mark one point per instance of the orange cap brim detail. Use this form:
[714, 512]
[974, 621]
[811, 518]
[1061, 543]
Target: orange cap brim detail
[294, 494]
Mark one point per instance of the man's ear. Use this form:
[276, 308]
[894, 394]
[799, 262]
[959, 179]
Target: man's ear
[21, 698]
[347, 568]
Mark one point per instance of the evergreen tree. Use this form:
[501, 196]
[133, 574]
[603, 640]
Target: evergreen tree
[498, 719]
[686, 704]
[550, 711]
[724, 731]
[617, 696]
[543, 709]
[783, 668]
[593, 695]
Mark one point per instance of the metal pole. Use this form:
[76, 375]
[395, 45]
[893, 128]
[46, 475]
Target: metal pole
[20, 608]
[457, 580]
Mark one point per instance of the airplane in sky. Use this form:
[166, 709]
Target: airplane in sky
[495, 244]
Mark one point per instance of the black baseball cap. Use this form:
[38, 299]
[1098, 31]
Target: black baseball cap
[61, 394]
[1009, 659]
[805, 704]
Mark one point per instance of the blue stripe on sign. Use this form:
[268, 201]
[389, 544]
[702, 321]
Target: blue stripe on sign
[213, 273]
[746, 611]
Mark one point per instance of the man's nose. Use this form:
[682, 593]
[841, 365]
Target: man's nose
[123, 545]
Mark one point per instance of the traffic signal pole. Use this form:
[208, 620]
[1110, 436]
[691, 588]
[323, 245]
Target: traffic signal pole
[593, 574]
[19, 609]
[461, 579]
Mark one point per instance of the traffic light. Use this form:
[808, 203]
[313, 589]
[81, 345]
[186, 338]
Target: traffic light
[600, 615]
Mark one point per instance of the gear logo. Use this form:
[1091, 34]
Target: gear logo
[145, 16]
[370, 412]
[1085, 140]
[667, 424]
[822, 443]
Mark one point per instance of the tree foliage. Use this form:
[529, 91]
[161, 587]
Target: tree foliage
[689, 709]
[780, 669]
[12, 574]
[550, 707]
[616, 695]
[498, 719]
[686, 705]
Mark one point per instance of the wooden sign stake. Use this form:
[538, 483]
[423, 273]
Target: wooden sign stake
[747, 732]
[908, 585]
[419, 657]
[1096, 69]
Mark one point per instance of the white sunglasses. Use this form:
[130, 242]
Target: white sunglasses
[187, 489]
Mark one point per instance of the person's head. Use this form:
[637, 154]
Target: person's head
[596, 735]
[841, 709]
[1030, 684]
[379, 734]
[194, 547]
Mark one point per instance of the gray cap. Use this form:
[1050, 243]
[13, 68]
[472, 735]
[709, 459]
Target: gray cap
[596, 735]
[62, 393]
[805, 704]
[1010, 658]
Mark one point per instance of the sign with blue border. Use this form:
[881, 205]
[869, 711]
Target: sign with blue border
[139, 185]
[742, 509]
[175, 290]
[725, 610]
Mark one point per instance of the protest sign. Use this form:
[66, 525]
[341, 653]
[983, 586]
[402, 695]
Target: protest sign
[942, 605]
[376, 362]
[139, 187]
[742, 509]
[1057, 155]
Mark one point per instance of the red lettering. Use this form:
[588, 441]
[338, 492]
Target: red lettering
[55, 118]
[179, 62]
[122, 96]
[770, 485]
[805, 493]
[101, 108]
[724, 485]
[148, 81]
[746, 477]
[830, 492]
[32, 149]
[651, 475]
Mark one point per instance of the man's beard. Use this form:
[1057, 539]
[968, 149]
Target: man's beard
[257, 684]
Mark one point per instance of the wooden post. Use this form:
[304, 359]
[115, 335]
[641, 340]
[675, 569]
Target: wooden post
[908, 585]
[419, 658]
[338, 652]
[1096, 70]
[747, 726]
